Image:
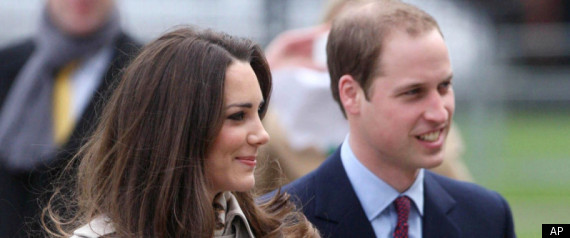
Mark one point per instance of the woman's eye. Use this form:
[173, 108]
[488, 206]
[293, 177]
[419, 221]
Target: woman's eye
[261, 109]
[237, 116]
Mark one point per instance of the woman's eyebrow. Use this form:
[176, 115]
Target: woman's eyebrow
[246, 105]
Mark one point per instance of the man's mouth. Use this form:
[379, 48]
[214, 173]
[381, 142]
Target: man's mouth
[430, 136]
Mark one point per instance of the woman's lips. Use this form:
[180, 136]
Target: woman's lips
[247, 160]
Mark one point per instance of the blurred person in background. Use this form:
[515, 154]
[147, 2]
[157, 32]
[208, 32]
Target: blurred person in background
[51, 87]
[175, 150]
[303, 110]
[392, 78]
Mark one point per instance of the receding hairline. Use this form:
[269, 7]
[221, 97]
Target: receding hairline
[387, 11]
[363, 28]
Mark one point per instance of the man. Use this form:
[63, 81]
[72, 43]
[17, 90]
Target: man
[303, 111]
[391, 75]
[51, 89]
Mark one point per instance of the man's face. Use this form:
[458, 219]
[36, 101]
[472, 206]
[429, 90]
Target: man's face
[406, 120]
[79, 17]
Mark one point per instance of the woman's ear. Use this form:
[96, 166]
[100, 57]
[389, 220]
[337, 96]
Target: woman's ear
[351, 94]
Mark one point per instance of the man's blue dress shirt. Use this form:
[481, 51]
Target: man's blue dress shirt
[377, 197]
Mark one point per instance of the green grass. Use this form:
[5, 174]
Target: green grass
[537, 135]
[524, 155]
[530, 212]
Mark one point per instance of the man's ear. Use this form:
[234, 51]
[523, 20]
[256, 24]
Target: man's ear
[351, 94]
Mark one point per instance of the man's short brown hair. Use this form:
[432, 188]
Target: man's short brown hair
[357, 36]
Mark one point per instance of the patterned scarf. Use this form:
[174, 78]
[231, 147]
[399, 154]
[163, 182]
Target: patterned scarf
[230, 219]
[26, 133]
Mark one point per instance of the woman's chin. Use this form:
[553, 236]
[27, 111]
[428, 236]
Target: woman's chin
[246, 185]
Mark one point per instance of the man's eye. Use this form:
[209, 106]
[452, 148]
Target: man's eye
[237, 116]
[413, 91]
[445, 86]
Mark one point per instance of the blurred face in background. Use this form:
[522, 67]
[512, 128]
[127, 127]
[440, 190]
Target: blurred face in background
[79, 17]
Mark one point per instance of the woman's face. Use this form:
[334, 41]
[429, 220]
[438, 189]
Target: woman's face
[232, 158]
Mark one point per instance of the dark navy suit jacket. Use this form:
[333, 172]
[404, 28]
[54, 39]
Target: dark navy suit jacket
[451, 208]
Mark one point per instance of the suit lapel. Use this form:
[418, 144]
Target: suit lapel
[336, 202]
[438, 204]
[12, 60]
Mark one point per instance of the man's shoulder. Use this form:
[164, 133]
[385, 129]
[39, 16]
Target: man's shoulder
[462, 190]
[306, 186]
[323, 187]
[468, 205]
[300, 192]
[127, 44]
[15, 55]
[19, 46]
[303, 186]
[12, 60]
[469, 198]
[125, 49]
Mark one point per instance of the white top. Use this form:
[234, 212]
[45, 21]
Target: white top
[235, 224]
[98, 227]
[86, 79]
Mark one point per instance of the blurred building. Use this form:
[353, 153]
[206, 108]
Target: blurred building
[530, 38]
[260, 20]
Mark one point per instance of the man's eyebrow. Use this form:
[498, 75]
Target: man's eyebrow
[449, 77]
[409, 86]
[419, 84]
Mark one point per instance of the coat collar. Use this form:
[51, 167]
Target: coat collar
[230, 217]
[438, 204]
[336, 201]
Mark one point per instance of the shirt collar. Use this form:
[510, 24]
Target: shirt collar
[374, 194]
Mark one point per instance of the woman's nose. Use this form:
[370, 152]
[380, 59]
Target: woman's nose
[259, 135]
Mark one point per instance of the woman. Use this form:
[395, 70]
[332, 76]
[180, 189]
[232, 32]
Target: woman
[175, 150]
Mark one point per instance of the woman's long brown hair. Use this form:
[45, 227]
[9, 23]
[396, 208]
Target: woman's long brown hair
[144, 165]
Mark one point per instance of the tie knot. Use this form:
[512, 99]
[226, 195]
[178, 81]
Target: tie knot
[402, 204]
